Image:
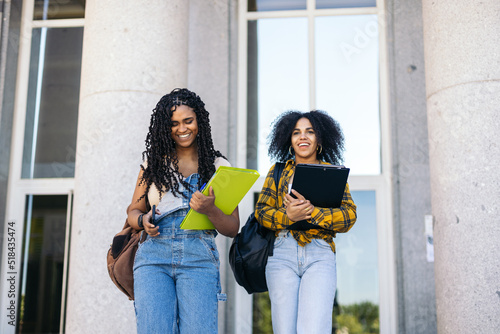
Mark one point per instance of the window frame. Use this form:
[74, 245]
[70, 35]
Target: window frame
[19, 188]
[380, 183]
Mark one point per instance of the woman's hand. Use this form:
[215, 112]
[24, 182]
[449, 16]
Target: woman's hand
[203, 204]
[299, 208]
[150, 228]
[227, 225]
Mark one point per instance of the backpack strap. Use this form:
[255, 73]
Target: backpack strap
[278, 170]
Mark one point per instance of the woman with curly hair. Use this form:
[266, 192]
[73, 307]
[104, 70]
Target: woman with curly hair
[301, 274]
[176, 271]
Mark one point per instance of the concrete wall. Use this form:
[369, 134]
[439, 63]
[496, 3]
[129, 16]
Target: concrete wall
[211, 53]
[148, 50]
[462, 48]
[411, 179]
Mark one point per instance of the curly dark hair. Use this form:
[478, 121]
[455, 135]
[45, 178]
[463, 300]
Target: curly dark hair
[328, 133]
[161, 155]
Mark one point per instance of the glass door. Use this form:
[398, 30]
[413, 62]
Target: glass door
[357, 299]
[44, 264]
[42, 167]
[328, 55]
[36, 259]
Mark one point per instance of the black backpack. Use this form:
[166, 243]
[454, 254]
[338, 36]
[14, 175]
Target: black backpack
[250, 249]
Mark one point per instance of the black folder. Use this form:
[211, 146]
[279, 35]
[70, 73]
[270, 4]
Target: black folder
[323, 185]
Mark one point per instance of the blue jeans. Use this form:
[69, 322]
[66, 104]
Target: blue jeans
[302, 283]
[176, 280]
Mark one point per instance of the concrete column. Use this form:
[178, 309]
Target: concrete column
[209, 57]
[209, 75]
[411, 175]
[462, 59]
[133, 53]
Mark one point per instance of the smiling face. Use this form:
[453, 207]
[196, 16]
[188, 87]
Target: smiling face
[304, 142]
[184, 127]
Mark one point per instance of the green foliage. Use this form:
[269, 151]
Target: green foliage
[262, 323]
[359, 318]
[347, 323]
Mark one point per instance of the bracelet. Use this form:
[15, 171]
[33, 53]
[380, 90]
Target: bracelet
[139, 221]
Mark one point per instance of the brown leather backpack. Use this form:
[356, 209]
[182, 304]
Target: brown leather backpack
[121, 256]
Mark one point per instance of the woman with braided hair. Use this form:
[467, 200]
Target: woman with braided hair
[176, 271]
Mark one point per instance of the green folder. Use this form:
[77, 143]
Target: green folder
[230, 185]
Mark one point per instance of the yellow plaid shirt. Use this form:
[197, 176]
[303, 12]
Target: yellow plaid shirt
[271, 213]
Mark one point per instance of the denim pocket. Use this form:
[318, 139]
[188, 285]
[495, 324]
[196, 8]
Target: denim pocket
[211, 248]
[147, 240]
[279, 241]
[321, 243]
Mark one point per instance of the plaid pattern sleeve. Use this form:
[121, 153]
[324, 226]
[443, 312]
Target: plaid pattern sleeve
[269, 209]
[271, 213]
[338, 220]
[331, 221]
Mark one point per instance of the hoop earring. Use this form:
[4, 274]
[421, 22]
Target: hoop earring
[290, 150]
[320, 149]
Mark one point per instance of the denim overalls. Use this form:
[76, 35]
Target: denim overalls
[176, 276]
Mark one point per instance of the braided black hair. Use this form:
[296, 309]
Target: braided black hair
[328, 133]
[161, 155]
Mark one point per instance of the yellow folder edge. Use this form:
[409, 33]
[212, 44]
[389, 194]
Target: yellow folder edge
[230, 185]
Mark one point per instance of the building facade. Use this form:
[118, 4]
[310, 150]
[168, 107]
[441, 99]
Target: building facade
[413, 83]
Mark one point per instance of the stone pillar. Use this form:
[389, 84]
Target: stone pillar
[462, 59]
[209, 75]
[133, 53]
[209, 57]
[416, 308]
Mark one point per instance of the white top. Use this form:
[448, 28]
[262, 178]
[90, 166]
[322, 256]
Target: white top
[168, 202]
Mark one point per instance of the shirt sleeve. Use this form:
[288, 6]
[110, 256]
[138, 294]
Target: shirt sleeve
[269, 210]
[220, 161]
[338, 220]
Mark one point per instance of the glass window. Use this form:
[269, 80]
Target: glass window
[345, 82]
[356, 306]
[59, 9]
[322, 4]
[347, 85]
[269, 5]
[42, 264]
[277, 79]
[52, 106]
[357, 297]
